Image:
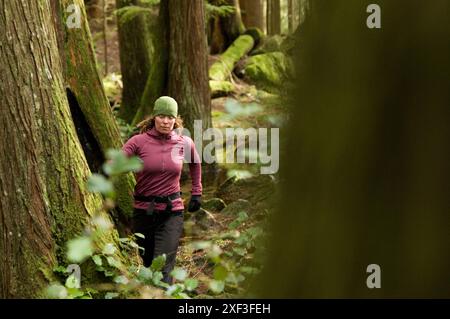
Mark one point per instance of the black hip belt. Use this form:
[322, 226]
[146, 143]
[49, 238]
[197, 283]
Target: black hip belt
[158, 199]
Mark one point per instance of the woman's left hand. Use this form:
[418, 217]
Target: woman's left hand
[195, 203]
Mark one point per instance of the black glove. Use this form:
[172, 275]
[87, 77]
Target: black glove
[195, 203]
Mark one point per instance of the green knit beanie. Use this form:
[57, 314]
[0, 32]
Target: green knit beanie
[165, 105]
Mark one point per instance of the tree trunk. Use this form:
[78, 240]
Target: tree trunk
[273, 17]
[291, 16]
[366, 174]
[135, 60]
[188, 69]
[42, 170]
[156, 83]
[252, 13]
[96, 127]
[226, 29]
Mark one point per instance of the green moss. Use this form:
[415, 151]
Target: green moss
[256, 34]
[269, 44]
[222, 68]
[220, 88]
[268, 70]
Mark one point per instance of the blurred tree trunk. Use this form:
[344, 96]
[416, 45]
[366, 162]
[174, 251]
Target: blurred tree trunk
[188, 70]
[273, 17]
[156, 82]
[93, 9]
[366, 165]
[291, 16]
[252, 13]
[95, 124]
[43, 170]
[136, 49]
[227, 28]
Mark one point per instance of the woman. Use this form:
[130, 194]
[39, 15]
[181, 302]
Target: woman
[158, 207]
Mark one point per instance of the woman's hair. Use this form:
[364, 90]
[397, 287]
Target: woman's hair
[149, 123]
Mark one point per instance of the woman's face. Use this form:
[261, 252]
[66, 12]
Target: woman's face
[164, 123]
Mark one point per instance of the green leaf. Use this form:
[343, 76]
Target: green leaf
[60, 269]
[113, 262]
[249, 270]
[174, 289]
[56, 291]
[240, 251]
[239, 173]
[216, 286]
[179, 274]
[197, 245]
[109, 249]
[214, 252]
[121, 280]
[72, 282]
[233, 278]
[233, 234]
[157, 276]
[79, 249]
[145, 275]
[97, 260]
[139, 235]
[183, 295]
[99, 184]
[108, 273]
[75, 293]
[119, 163]
[220, 273]
[111, 295]
[242, 240]
[191, 284]
[158, 263]
[255, 231]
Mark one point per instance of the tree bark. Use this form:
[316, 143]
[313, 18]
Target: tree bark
[42, 170]
[291, 16]
[226, 29]
[95, 124]
[188, 69]
[136, 50]
[273, 17]
[156, 83]
[252, 14]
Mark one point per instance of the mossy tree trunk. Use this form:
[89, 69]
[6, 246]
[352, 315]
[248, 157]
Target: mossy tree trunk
[366, 165]
[42, 169]
[188, 70]
[252, 13]
[95, 125]
[136, 49]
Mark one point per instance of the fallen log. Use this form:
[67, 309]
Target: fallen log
[220, 88]
[222, 68]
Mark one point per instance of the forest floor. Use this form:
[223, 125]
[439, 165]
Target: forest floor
[247, 195]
